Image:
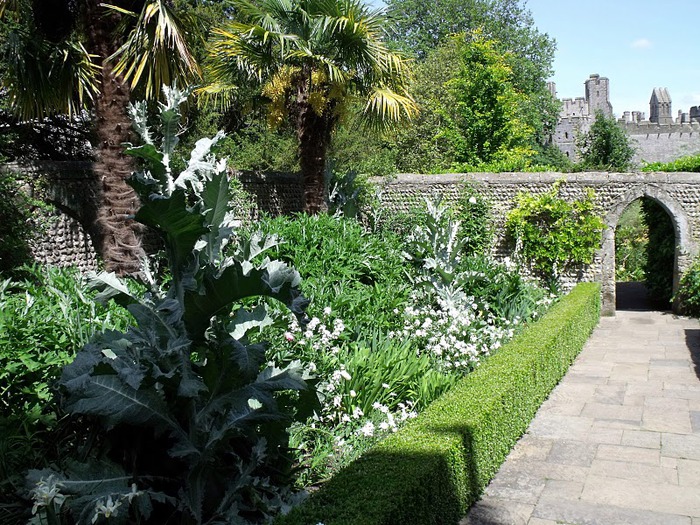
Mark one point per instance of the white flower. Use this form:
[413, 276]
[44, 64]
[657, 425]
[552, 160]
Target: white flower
[368, 429]
[327, 310]
[106, 509]
[353, 393]
[289, 336]
[47, 491]
[472, 200]
[357, 413]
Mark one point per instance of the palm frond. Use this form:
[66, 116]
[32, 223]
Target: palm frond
[384, 107]
[11, 7]
[158, 48]
[48, 78]
[218, 95]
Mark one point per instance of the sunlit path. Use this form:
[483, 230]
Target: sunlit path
[618, 441]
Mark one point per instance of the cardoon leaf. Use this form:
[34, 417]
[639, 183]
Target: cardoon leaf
[110, 287]
[180, 226]
[245, 320]
[109, 398]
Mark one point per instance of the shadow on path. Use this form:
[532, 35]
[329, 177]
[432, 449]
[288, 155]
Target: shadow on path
[634, 297]
[692, 339]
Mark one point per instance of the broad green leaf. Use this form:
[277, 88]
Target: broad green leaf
[110, 287]
[180, 226]
[245, 320]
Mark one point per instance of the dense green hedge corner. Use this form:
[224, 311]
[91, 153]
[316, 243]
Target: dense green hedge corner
[436, 467]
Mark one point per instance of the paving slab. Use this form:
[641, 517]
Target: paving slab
[618, 440]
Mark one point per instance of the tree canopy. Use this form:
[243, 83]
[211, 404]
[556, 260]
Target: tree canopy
[314, 59]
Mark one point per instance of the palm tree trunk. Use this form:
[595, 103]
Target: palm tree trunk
[120, 236]
[313, 135]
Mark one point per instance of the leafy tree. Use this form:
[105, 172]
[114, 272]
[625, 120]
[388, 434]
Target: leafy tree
[424, 26]
[485, 124]
[315, 58]
[64, 56]
[605, 146]
[471, 111]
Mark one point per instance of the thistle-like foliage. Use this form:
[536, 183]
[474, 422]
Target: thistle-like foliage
[188, 412]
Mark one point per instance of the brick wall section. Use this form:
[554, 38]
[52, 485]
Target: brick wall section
[679, 193]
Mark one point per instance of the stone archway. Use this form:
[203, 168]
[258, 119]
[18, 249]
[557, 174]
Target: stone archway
[685, 246]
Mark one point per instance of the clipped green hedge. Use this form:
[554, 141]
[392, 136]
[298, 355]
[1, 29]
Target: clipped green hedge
[432, 470]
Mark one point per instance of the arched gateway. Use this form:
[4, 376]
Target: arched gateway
[677, 193]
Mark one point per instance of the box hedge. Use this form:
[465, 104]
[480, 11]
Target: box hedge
[433, 469]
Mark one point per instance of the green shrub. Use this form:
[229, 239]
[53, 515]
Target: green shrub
[553, 234]
[476, 224]
[358, 274]
[688, 295]
[690, 163]
[631, 240]
[436, 467]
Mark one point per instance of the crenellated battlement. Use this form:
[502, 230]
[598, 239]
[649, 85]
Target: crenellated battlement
[661, 138]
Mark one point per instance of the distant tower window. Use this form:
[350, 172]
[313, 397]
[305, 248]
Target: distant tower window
[567, 153]
[566, 134]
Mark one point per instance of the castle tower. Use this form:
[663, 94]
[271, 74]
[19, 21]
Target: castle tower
[598, 95]
[660, 107]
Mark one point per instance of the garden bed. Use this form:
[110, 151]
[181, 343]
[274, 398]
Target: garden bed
[433, 469]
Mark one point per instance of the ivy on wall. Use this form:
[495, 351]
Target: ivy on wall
[552, 234]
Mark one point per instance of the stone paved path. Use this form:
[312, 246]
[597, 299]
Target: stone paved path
[618, 441]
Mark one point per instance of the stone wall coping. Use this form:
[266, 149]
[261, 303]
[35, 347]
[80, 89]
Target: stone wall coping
[596, 178]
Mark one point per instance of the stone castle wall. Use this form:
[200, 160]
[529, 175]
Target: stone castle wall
[659, 139]
[663, 142]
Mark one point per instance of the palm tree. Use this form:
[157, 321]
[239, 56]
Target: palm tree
[315, 60]
[63, 57]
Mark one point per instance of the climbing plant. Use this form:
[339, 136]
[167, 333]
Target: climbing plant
[553, 234]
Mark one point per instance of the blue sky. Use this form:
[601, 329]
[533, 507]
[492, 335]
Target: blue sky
[637, 44]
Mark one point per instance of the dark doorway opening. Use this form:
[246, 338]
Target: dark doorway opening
[644, 257]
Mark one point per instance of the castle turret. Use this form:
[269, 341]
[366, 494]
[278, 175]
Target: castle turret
[598, 95]
[660, 107]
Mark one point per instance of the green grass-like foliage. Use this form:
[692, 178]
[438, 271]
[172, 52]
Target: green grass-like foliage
[435, 468]
[45, 317]
[690, 163]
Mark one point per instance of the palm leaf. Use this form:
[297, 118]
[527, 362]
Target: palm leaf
[158, 48]
[63, 76]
